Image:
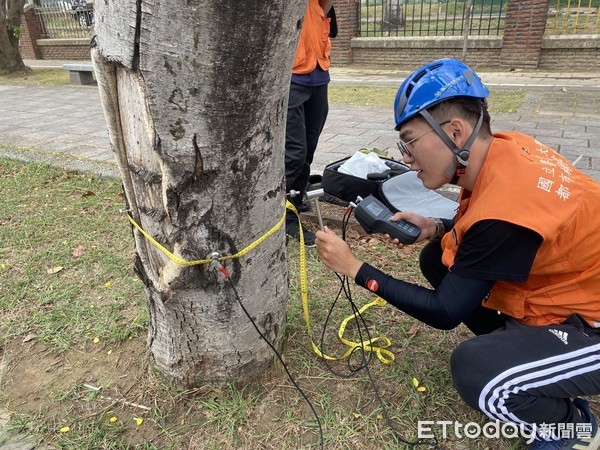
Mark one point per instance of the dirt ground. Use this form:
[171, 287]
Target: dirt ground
[37, 381]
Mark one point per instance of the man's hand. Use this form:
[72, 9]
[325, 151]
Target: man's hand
[335, 253]
[426, 224]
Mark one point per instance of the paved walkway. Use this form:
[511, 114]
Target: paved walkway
[65, 125]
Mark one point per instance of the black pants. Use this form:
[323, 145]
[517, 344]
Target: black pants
[307, 112]
[517, 373]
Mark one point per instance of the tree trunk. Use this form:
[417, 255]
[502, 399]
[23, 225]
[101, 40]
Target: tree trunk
[195, 97]
[10, 21]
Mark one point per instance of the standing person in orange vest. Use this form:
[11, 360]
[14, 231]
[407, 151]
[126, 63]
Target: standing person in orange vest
[519, 265]
[307, 107]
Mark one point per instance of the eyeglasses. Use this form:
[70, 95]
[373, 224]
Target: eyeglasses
[404, 146]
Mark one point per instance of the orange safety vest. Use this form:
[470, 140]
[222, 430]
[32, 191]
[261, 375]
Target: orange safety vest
[526, 183]
[314, 45]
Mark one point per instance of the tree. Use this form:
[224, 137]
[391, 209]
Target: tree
[195, 97]
[10, 21]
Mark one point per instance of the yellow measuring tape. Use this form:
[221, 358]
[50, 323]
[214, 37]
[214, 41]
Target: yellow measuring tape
[197, 262]
[384, 355]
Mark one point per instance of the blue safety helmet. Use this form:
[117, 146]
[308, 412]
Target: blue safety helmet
[439, 80]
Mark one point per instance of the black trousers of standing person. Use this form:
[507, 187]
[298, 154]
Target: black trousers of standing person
[307, 112]
[517, 373]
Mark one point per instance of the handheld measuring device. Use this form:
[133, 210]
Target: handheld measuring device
[375, 217]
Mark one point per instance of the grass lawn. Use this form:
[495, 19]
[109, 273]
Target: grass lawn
[73, 324]
[37, 76]
[500, 101]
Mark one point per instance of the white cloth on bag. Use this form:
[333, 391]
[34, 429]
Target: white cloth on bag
[407, 193]
[362, 164]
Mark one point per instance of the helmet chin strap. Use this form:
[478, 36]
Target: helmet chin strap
[462, 155]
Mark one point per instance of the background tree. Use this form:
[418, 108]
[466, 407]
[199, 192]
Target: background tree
[10, 29]
[195, 97]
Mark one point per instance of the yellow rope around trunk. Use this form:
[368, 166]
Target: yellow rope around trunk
[384, 355]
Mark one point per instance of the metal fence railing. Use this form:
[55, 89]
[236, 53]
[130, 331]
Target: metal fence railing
[431, 17]
[60, 20]
[573, 17]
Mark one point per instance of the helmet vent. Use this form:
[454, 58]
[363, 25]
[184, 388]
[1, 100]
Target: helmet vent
[418, 76]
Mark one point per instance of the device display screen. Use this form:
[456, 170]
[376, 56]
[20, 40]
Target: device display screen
[375, 209]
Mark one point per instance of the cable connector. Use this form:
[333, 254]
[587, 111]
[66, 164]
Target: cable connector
[217, 265]
[354, 204]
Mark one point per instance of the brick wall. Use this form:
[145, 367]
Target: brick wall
[31, 31]
[70, 49]
[523, 44]
[32, 46]
[407, 53]
[346, 12]
[558, 53]
[523, 33]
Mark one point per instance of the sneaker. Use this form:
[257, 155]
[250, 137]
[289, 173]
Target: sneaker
[591, 442]
[292, 229]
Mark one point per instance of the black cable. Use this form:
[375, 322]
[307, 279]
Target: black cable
[306, 399]
[345, 288]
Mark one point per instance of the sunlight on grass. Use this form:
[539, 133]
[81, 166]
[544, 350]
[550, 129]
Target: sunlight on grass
[37, 76]
[63, 260]
[500, 101]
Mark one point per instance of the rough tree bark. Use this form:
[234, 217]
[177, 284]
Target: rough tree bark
[195, 96]
[10, 21]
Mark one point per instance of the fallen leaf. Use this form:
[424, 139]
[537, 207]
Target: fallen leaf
[96, 340]
[416, 383]
[29, 337]
[373, 241]
[78, 251]
[54, 270]
[88, 194]
[413, 330]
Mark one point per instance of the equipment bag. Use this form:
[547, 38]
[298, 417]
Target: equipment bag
[398, 188]
[348, 187]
